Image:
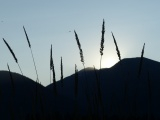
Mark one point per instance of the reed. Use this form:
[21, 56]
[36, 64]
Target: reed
[82, 59]
[118, 52]
[86, 83]
[102, 42]
[53, 71]
[31, 52]
[51, 64]
[61, 73]
[11, 51]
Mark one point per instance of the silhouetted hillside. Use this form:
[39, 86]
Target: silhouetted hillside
[26, 98]
[114, 93]
[123, 93]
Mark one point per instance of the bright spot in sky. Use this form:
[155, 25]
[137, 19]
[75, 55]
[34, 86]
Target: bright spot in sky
[109, 62]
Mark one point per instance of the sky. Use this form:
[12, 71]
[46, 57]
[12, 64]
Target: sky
[133, 23]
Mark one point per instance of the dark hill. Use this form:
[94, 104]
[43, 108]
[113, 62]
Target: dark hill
[118, 92]
[27, 98]
[122, 90]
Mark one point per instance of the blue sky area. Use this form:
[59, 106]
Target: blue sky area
[133, 23]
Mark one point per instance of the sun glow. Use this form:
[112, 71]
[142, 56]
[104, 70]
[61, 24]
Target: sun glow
[109, 62]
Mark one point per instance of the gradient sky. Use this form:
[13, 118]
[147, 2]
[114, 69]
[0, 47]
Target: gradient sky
[133, 23]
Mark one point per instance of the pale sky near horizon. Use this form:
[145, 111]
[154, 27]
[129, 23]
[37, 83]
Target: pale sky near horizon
[133, 23]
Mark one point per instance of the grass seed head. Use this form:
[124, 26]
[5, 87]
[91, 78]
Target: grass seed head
[118, 52]
[27, 37]
[102, 39]
[10, 50]
[79, 46]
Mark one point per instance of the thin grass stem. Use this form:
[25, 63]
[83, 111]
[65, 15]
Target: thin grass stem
[31, 52]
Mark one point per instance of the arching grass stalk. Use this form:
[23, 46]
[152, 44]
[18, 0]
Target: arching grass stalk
[31, 52]
[118, 52]
[61, 73]
[102, 42]
[86, 85]
[13, 54]
[54, 77]
[81, 56]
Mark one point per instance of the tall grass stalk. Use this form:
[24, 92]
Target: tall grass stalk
[61, 73]
[12, 54]
[52, 69]
[12, 82]
[81, 56]
[139, 73]
[102, 42]
[118, 52]
[31, 51]
[51, 65]
[141, 61]
[86, 85]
